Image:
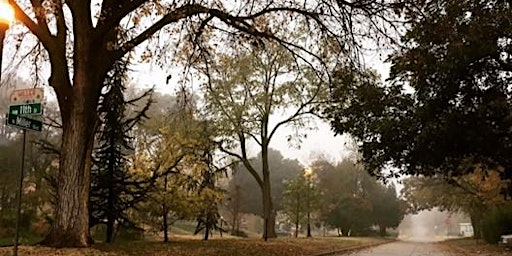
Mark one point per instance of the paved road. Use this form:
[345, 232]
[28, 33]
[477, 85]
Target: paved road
[403, 248]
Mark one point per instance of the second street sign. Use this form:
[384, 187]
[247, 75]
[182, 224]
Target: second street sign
[24, 123]
[26, 109]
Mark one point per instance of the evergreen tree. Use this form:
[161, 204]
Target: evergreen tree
[114, 189]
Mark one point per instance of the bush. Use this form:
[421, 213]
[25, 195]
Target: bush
[497, 223]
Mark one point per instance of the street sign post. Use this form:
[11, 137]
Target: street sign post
[24, 122]
[26, 109]
[25, 102]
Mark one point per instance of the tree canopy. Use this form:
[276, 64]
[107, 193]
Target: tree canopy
[447, 102]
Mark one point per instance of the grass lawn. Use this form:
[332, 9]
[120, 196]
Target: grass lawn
[23, 239]
[217, 246]
[471, 246]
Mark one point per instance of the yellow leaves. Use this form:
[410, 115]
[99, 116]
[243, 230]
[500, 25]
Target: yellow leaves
[481, 189]
[487, 185]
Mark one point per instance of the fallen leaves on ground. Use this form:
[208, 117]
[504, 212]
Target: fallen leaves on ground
[224, 247]
[468, 246]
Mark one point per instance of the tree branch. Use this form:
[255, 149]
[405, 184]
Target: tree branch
[112, 12]
[174, 16]
[39, 31]
[40, 14]
[297, 113]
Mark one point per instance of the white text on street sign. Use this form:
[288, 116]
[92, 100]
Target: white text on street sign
[24, 123]
[26, 109]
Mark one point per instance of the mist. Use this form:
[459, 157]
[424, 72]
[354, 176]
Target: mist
[429, 226]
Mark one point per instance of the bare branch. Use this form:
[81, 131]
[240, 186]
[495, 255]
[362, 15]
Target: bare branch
[112, 12]
[38, 30]
[243, 158]
[47, 147]
[40, 14]
[299, 112]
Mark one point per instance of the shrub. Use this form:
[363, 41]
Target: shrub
[498, 222]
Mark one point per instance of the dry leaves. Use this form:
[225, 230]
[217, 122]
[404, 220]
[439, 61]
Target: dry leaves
[218, 246]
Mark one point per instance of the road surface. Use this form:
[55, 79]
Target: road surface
[405, 248]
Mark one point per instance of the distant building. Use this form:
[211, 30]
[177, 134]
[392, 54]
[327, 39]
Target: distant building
[466, 229]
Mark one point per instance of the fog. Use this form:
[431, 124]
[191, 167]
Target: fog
[430, 226]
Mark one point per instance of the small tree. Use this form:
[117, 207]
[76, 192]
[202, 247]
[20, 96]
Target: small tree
[210, 195]
[294, 206]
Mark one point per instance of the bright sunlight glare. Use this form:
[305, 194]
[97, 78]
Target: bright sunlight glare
[6, 13]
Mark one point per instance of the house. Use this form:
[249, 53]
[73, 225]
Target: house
[466, 229]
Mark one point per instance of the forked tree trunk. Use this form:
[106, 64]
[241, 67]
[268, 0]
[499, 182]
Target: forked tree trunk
[78, 106]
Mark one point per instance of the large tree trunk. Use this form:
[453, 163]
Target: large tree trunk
[78, 106]
[71, 225]
[476, 222]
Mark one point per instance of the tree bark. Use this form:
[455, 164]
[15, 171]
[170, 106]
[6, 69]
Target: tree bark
[109, 238]
[206, 231]
[476, 222]
[165, 213]
[110, 211]
[78, 106]
[297, 216]
[268, 214]
[309, 210]
[71, 225]
[236, 211]
[165, 224]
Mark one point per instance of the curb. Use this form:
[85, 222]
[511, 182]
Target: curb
[353, 248]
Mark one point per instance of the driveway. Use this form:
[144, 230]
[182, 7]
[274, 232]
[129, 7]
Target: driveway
[406, 248]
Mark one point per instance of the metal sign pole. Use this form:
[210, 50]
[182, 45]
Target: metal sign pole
[18, 196]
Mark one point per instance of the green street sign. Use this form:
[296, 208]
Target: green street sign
[24, 123]
[26, 109]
